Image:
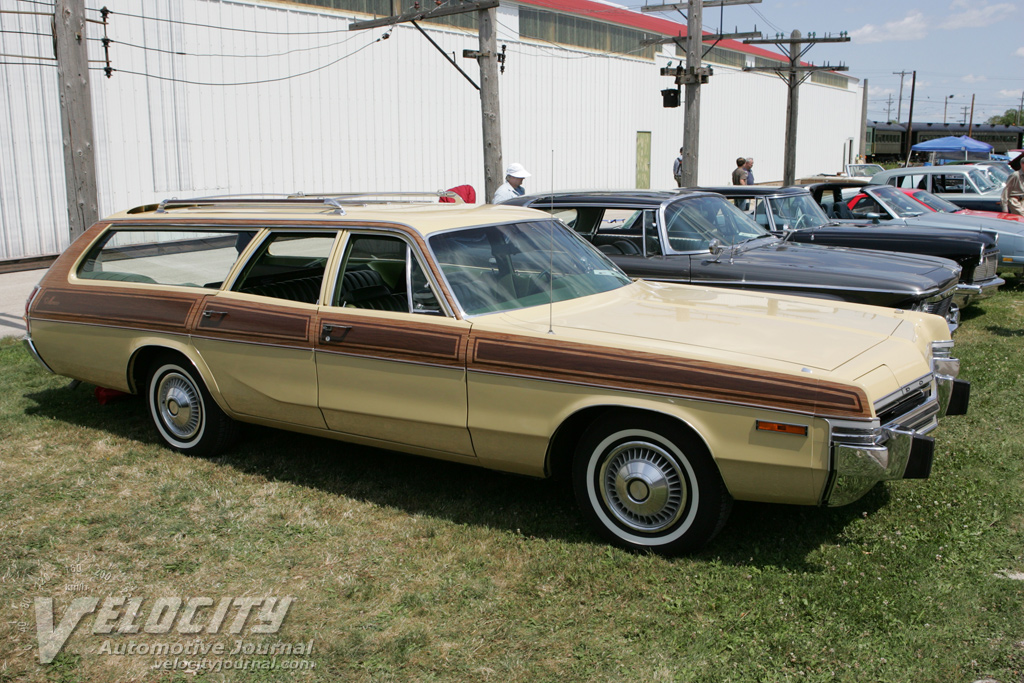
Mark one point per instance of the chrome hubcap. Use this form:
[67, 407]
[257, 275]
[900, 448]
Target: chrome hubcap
[179, 405]
[643, 486]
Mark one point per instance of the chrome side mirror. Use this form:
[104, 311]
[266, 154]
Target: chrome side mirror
[715, 247]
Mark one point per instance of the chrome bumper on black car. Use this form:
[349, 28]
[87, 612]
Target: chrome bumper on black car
[895, 445]
[966, 293]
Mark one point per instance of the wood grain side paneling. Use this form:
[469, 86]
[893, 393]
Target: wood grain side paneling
[367, 336]
[253, 321]
[115, 306]
[664, 375]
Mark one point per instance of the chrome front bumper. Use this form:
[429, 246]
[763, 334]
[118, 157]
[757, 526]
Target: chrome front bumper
[966, 293]
[862, 457]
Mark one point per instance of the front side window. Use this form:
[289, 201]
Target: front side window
[517, 265]
[184, 258]
[381, 272]
[288, 265]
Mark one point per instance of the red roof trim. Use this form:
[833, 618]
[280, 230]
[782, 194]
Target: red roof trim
[644, 22]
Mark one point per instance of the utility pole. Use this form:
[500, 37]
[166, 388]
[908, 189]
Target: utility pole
[69, 42]
[963, 113]
[899, 107]
[1020, 107]
[863, 153]
[945, 104]
[970, 126]
[888, 110]
[794, 75]
[910, 116]
[488, 59]
[694, 75]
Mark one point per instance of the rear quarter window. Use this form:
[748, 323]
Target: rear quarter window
[167, 257]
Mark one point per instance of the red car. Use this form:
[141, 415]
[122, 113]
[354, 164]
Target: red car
[933, 203]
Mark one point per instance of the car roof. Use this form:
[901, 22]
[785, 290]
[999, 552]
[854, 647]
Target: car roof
[927, 169]
[755, 190]
[423, 217]
[630, 198]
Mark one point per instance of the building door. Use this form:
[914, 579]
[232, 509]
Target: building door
[643, 160]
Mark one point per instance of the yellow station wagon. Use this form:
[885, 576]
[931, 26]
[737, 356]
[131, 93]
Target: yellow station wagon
[495, 336]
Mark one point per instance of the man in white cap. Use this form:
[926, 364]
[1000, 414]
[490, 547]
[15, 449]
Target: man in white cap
[513, 185]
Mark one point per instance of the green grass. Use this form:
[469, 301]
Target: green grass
[407, 569]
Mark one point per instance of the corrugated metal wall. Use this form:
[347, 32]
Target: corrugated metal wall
[227, 96]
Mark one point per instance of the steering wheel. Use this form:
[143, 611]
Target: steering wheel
[803, 221]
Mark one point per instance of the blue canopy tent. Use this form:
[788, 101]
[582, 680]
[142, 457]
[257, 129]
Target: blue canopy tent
[955, 148]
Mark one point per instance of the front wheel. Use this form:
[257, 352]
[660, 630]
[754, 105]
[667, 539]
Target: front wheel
[647, 484]
[183, 411]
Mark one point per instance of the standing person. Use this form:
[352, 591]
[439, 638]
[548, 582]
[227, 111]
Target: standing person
[513, 185]
[677, 168]
[1013, 191]
[748, 167]
[739, 174]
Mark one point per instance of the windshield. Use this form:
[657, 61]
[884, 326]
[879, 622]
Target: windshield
[1000, 172]
[935, 203]
[797, 212]
[863, 169]
[982, 180]
[897, 202]
[691, 223]
[518, 265]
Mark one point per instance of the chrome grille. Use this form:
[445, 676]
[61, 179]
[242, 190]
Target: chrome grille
[988, 267]
[913, 407]
[939, 305]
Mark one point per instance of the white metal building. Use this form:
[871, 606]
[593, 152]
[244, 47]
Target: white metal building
[240, 96]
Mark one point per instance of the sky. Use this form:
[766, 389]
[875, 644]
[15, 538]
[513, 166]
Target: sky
[964, 48]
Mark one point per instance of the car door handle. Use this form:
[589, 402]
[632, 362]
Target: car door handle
[210, 314]
[335, 333]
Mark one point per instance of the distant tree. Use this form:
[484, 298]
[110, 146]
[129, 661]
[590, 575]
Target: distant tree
[1011, 117]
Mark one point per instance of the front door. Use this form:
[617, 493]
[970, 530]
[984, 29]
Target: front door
[391, 362]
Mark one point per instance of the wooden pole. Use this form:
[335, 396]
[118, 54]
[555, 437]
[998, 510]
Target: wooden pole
[691, 117]
[489, 102]
[75, 115]
[792, 113]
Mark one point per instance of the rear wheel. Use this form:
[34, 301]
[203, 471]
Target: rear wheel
[648, 484]
[184, 413]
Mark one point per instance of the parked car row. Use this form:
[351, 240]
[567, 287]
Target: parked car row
[743, 360]
[892, 206]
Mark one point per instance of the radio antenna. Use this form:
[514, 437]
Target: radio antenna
[551, 251]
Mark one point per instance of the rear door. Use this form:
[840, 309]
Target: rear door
[257, 336]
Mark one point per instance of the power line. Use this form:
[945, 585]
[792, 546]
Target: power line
[228, 28]
[259, 82]
[222, 55]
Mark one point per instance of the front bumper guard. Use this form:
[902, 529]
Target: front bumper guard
[895, 452]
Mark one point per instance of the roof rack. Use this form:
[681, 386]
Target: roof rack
[337, 200]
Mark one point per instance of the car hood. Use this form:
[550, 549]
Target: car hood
[793, 334]
[866, 270]
[961, 221]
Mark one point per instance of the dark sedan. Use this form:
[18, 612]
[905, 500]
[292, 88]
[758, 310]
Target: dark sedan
[701, 238]
[791, 212]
